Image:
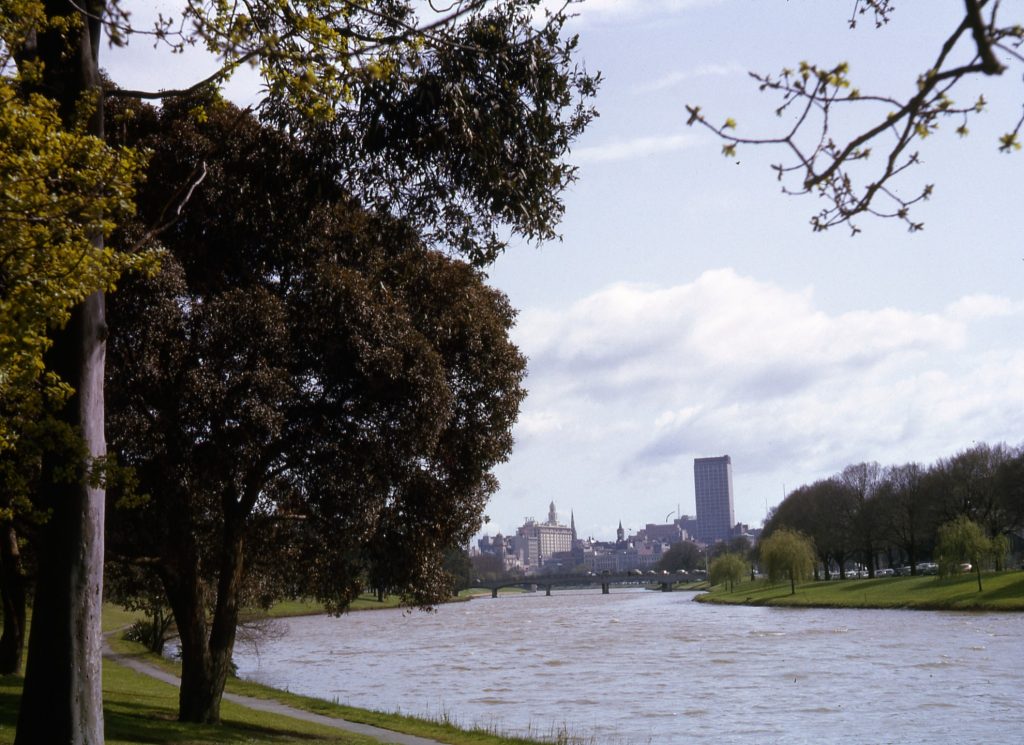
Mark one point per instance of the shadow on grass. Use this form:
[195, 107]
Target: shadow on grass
[143, 724]
[1011, 591]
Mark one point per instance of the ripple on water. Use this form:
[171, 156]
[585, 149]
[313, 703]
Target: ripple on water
[862, 677]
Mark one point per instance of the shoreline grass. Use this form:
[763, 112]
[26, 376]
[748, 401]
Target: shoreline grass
[1003, 591]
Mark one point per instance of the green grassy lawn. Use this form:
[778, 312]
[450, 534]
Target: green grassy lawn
[138, 709]
[289, 608]
[1003, 591]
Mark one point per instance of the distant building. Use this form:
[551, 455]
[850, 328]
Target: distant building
[536, 542]
[712, 483]
[668, 533]
[622, 557]
[688, 526]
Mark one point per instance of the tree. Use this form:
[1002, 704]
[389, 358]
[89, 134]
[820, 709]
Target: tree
[459, 568]
[906, 511]
[137, 589]
[787, 553]
[729, 568]
[1009, 479]
[55, 270]
[969, 484]
[682, 556]
[488, 567]
[364, 385]
[864, 480]
[848, 175]
[319, 56]
[962, 540]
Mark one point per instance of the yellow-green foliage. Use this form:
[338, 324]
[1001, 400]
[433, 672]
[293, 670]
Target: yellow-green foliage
[961, 540]
[312, 53]
[728, 569]
[787, 554]
[60, 190]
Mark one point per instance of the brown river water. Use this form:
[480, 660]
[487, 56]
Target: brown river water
[638, 667]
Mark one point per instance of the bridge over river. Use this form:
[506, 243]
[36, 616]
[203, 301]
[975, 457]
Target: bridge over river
[665, 580]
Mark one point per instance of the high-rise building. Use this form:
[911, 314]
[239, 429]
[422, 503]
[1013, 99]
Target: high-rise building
[712, 484]
[549, 538]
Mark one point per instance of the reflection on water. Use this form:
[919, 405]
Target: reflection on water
[650, 667]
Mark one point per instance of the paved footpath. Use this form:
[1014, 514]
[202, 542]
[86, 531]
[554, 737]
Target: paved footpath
[274, 707]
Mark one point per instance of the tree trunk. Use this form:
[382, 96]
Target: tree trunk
[62, 700]
[206, 659]
[12, 592]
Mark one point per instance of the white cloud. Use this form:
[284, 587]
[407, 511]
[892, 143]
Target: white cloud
[728, 363]
[617, 10]
[640, 147]
[539, 423]
[673, 79]
[980, 307]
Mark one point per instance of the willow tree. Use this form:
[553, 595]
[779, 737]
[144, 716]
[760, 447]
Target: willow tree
[959, 541]
[319, 56]
[787, 554]
[728, 569]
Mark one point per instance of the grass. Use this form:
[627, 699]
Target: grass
[1003, 591]
[138, 709]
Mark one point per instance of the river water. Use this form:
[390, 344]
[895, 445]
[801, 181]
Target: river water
[637, 667]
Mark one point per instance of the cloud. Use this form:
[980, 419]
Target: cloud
[980, 307]
[726, 363]
[640, 147]
[618, 10]
[682, 76]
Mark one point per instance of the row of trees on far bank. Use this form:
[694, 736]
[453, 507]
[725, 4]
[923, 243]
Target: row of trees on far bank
[891, 515]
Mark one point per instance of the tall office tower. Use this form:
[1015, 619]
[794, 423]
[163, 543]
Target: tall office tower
[712, 484]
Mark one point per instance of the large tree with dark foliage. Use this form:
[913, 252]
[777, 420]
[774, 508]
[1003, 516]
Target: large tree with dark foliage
[310, 397]
[824, 511]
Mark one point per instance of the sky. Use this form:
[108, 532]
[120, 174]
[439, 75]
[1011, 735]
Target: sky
[689, 309]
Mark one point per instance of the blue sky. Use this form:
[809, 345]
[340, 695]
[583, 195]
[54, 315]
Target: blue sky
[690, 311]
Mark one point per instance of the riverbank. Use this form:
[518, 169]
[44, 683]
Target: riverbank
[1003, 591]
[139, 708]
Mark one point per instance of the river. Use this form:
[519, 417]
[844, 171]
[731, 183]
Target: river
[637, 667]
